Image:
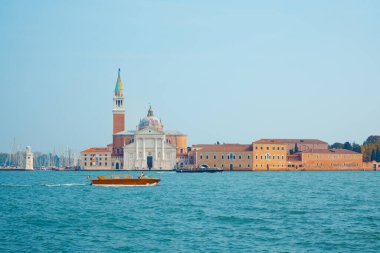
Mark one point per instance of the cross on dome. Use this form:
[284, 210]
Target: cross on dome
[150, 121]
[150, 111]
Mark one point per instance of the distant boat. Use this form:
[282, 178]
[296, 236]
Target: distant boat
[124, 180]
[201, 169]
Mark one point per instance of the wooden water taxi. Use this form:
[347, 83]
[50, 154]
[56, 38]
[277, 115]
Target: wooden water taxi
[124, 180]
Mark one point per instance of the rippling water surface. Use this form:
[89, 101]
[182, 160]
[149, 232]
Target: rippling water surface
[224, 212]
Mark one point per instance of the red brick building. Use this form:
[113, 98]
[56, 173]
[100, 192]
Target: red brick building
[331, 159]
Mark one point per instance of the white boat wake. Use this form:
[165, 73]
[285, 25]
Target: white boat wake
[68, 184]
[15, 185]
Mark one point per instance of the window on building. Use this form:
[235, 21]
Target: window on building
[214, 157]
[234, 157]
[282, 157]
[282, 148]
[206, 157]
[85, 164]
[222, 165]
[100, 164]
[105, 164]
[249, 165]
[261, 148]
[261, 157]
[256, 157]
[274, 148]
[239, 156]
[278, 148]
[249, 157]
[267, 148]
[222, 157]
[200, 156]
[256, 147]
[239, 165]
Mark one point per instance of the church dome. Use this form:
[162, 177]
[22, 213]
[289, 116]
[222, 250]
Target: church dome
[151, 121]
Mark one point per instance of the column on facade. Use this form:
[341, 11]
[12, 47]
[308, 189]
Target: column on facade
[137, 148]
[143, 143]
[126, 165]
[155, 149]
[163, 148]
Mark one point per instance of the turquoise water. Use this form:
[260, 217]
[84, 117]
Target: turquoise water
[224, 212]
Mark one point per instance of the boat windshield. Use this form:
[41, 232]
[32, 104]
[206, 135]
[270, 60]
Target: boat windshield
[119, 176]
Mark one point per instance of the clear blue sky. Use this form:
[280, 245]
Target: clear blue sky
[228, 71]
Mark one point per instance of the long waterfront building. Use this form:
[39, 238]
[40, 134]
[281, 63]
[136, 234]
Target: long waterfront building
[273, 154]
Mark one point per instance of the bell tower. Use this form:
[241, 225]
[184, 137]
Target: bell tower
[118, 107]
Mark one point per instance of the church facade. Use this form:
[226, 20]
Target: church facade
[146, 148]
[149, 147]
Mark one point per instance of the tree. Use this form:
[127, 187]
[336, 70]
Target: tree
[373, 155]
[291, 151]
[347, 146]
[356, 147]
[366, 150]
[377, 154]
[373, 139]
[296, 148]
[337, 145]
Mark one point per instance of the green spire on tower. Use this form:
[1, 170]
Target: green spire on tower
[119, 86]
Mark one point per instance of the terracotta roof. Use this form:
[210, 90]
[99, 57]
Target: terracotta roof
[126, 132]
[223, 147]
[174, 132]
[285, 141]
[331, 151]
[93, 150]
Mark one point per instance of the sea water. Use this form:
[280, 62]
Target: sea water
[52, 211]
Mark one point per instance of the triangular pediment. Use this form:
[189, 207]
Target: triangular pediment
[149, 131]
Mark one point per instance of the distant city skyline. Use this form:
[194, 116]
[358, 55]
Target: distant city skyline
[228, 72]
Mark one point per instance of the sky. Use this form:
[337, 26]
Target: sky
[227, 71]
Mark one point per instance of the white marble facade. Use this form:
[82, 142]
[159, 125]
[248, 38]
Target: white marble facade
[149, 149]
